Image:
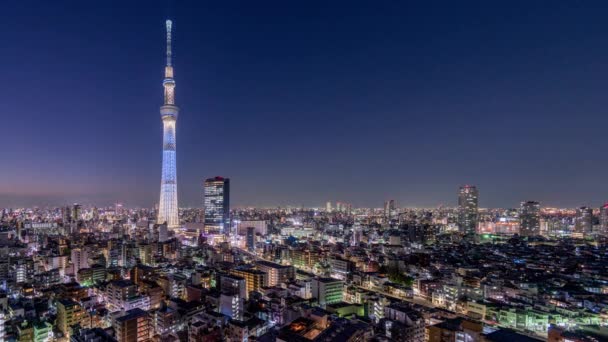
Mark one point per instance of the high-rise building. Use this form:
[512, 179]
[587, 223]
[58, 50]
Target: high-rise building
[118, 292]
[261, 226]
[468, 204]
[251, 239]
[118, 208]
[146, 254]
[217, 205]
[583, 223]
[276, 273]
[389, 210]
[342, 207]
[133, 326]
[80, 259]
[69, 313]
[231, 305]
[328, 207]
[604, 219]
[340, 268]
[2, 320]
[254, 279]
[233, 284]
[113, 253]
[23, 269]
[327, 290]
[529, 217]
[76, 212]
[168, 209]
[66, 215]
[356, 236]
[95, 214]
[162, 233]
[233, 293]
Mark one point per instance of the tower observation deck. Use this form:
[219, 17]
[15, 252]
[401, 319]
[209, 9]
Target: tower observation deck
[168, 209]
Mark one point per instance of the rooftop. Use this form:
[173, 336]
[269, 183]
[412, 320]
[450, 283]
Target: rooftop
[132, 314]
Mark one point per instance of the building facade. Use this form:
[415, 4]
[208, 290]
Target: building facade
[217, 205]
[468, 206]
[604, 219]
[529, 216]
[133, 326]
[583, 223]
[327, 290]
[276, 273]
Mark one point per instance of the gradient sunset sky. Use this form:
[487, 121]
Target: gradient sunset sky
[301, 102]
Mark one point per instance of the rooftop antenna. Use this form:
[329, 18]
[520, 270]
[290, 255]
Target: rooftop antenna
[169, 24]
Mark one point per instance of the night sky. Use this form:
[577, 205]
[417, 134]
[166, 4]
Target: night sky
[301, 102]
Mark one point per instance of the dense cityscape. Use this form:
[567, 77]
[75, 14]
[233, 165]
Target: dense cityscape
[334, 272]
[305, 274]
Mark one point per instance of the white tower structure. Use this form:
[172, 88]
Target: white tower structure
[167, 209]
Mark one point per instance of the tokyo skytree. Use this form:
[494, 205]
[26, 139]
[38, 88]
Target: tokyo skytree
[167, 209]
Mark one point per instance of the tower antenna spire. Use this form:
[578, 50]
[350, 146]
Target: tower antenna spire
[167, 208]
[169, 24]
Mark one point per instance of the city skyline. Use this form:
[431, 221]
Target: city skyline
[319, 108]
[348, 171]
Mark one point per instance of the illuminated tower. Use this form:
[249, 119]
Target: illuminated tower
[167, 209]
[468, 216]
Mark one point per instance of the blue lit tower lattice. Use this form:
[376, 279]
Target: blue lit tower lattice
[168, 209]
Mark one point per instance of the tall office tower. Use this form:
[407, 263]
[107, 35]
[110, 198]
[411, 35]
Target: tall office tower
[468, 203]
[251, 239]
[389, 210]
[583, 223]
[76, 212]
[328, 207]
[66, 215]
[604, 219]
[529, 217]
[168, 210]
[217, 205]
